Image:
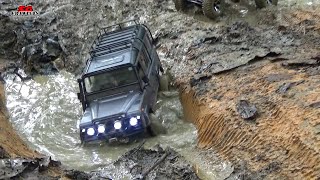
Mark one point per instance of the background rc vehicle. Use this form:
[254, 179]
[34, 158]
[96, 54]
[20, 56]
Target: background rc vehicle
[213, 8]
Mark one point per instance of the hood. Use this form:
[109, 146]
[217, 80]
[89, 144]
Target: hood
[111, 106]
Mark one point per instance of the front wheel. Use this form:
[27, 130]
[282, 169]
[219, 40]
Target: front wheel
[155, 127]
[264, 3]
[212, 8]
[164, 82]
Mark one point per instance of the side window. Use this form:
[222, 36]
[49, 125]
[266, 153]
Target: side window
[144, 61]
[147, 58]
[149, 47]
[140, 71]
[147, 43]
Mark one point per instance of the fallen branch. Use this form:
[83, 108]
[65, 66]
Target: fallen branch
[139, 147]
[162, 158]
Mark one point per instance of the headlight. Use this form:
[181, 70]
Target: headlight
[90, 131]
[138, 117]
[133, 121]
[101, 128]
[117, 125]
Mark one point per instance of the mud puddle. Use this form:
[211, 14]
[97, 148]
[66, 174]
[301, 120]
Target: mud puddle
[45, 111]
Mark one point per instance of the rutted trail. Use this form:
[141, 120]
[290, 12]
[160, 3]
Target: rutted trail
[271, 63]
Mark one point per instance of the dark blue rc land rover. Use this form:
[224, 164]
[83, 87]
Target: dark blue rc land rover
[119, 85]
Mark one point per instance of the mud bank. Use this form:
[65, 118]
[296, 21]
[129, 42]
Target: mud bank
[17, 159]
[261, 111]
[271, 64]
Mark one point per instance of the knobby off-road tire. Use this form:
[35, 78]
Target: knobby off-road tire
[264, 3]
[155, 127]
[181, 5]
[212, 8]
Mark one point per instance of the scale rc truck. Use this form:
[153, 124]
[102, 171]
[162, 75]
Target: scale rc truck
[119, 85]
[214, 8]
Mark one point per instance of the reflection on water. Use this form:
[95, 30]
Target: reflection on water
[46, 112]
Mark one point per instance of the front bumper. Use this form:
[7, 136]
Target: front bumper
[125, 133]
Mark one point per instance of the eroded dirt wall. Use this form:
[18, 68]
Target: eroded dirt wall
[283, 140]
[9, 140]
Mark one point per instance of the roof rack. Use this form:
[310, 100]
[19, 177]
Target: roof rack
[109, 30]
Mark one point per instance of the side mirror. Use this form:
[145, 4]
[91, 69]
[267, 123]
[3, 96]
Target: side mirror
[145, 79]
[79, 80]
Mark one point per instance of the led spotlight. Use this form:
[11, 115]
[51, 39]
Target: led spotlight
[133, 121]
[90, 131]
[117, 125]
[101, 128]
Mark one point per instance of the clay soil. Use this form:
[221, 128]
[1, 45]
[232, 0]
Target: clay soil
[273, 64]
[282, 139]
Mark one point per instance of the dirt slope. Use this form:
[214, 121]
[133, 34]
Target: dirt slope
[282, 140]
[9, 140]
[273, 64]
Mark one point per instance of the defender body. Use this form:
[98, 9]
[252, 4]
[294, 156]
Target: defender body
[119, 85]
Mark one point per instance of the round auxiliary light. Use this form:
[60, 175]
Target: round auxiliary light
[133, 121]
[117, 125]
[90, 131]
[101, 128]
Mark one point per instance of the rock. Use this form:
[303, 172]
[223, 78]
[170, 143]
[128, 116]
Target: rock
[301, 63]
[278, 77]
[246, 110]
[53, 48]
[43, 57]
[59, 64]
[8, 38]
[3, 153]
[315, 105]
[198, 79]
[77, 175]
[284, 88]
[10, 168]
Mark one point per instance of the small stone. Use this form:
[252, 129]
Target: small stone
[315, 105]
[284, 88]
[246, 110]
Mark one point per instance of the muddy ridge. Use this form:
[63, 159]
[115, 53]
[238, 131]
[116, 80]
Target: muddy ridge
[278, 136]
[251, 88]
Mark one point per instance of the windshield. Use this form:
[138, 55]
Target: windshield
[110, 79]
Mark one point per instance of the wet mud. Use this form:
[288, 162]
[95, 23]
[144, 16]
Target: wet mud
[156, 163]
[249, 81]
[279, 88]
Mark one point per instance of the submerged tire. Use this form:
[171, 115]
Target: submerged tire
[212, 8]
[180, 5]
[155, 127]
[164, 83]
[264, 3]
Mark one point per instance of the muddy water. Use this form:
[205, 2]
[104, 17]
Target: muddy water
[46, 112]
